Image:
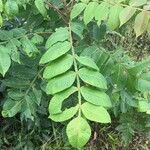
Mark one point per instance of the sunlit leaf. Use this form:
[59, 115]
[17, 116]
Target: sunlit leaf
[141, 22]
[41, 7]
[65, 115]
[58, 67]
[95, 113]
[77, 9]
[55, 52]
[55, 105]
[78, 132]
[93, 78]
[126, 14]
[60, 83]
[96, 97]
[89, 12]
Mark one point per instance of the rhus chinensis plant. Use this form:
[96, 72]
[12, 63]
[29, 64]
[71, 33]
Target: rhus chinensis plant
[62, 41]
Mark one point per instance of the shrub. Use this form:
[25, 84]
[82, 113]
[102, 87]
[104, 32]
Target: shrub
[53, 58]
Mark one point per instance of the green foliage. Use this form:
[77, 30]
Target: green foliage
[65, 79]
[55, 66]
[115, 13]
[41, 7]
[5, 61]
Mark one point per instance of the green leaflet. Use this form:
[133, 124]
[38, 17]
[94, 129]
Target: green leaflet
[126, 14]
[13, 46]
[140, 66]
[137, 3]
[119, 75]
[60, 35]
[148, 112]
[65, 115]
[86, 61]
[37, 39]
[113, 19]
[60, 83]
[102, 11]
[30, 103]
[16, 82]
[15, 94]
[78, 28]
[18, 32]
[96, 97]
[5, 35]
[11, 108]
[93, 78]
[55, 104]
[144, 106]
[5, 60]
[141, 22]
[23, 72]
[28, 47]
[29, 107]
[37, 96]
[1, 6]
[89, 12]
[95, 113]
[55, 52]
[78, 132]
[11, 7]
[57, 67]
[143, 83]
[77, 9]
[41, 7]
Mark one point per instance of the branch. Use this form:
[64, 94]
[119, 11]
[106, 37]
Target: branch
[76, 69]
[62, 14]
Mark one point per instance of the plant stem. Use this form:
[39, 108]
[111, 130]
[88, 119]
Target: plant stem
[76, 69]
